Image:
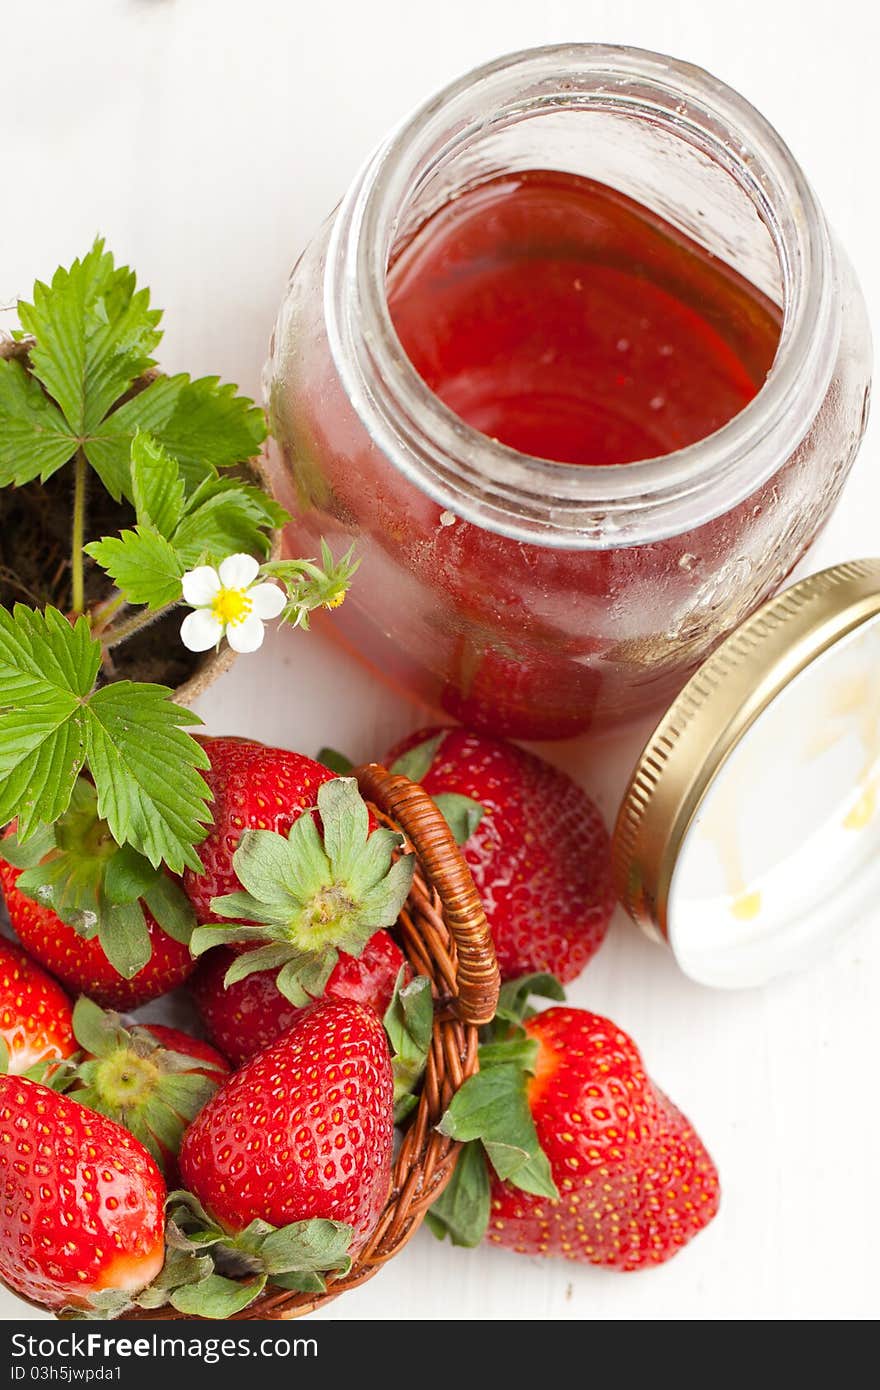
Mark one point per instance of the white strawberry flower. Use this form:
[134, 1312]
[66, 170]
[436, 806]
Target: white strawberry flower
[228, 603]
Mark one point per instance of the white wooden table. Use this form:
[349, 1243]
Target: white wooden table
[206, 140]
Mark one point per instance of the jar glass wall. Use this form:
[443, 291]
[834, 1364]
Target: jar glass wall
[538, 598]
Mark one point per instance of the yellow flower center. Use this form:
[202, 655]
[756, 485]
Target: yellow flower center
[231, 605]
[336, 600]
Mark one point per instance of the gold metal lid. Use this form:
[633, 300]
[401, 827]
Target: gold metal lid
[811, 630]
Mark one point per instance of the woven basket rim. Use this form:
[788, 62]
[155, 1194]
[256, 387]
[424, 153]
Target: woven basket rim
[446, 936]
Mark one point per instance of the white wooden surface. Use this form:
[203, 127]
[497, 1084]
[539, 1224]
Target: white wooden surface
[206, 139]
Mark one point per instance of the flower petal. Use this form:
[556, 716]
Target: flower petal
[201, 586]
[267, 599]
[238, 571]
[247, 635]
[200, 630]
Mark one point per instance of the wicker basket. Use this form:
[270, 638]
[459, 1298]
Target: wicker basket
[443, 932]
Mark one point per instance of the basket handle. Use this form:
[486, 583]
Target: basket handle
[411, 807]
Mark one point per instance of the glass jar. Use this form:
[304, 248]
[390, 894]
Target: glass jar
[535, 598]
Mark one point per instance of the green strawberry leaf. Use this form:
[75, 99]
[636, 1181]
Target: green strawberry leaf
[270, 957]
[316, 1246]
[128, 875]
[513, 1005]
[518, 1050]
[47, 670]
[461, 813]
[416, 762]
[179, 1269]
[95, 886]
[300, 1283]
[53, 721]
[35, 440]
[94, 335]
[68, 874]
[157, 488]
[146, 771]
[463, 1208]
[97, 1030]
[216, 1297]
[143, 565]
[409, 1023]
[171, 908]
[125, 938]
[303, 978]
[27, 856]
[292, 1257]
[225, 517]
[492, 1106]
[202, 424]
[335, 762]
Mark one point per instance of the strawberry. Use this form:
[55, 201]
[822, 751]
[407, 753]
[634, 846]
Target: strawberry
[615, 1174]
[540, 855]
[255, 788]
[151, 1079]
[302, 897]
[98, 916]
[81, 1201]
[83, 965]
[35, 1014]
[251, 1014]
[303, 1131]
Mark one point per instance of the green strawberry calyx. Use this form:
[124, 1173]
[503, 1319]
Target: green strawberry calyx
[409, 1024]
[490, 1117]
[309, 895]
[211, 1273]
[97, 887]
[132, 1078]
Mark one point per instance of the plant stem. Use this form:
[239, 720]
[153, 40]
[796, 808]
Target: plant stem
[102, 614]
[79, 532]
[114, 635]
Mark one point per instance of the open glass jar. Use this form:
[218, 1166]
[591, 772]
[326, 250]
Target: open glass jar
[534, 597]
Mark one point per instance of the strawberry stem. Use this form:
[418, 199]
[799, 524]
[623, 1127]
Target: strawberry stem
[122, 631]
[80, 477]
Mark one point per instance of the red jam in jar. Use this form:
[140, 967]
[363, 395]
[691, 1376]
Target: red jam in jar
[568, 322]
[580, 369]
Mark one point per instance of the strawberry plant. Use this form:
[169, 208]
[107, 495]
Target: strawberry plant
[125, 496]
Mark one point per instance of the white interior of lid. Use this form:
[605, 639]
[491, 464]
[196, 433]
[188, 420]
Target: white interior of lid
[783, 855]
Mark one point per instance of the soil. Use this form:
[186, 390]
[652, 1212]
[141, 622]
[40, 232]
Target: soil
[35, 523]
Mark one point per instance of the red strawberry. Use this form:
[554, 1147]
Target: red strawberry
[255, 788]
[97, 914]
[82, 965]
[81, 1201]
[35, 1014]
[311, 875]
[635, 1182]
[252, 1013]
[304, 1130]
[540, 856]
[151, 1079]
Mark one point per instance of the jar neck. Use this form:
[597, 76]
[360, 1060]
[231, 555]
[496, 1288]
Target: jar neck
[484, 121]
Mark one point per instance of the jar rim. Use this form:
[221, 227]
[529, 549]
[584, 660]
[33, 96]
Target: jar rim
[549, 503]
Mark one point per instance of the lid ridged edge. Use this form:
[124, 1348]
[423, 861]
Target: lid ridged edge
[705, 723]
